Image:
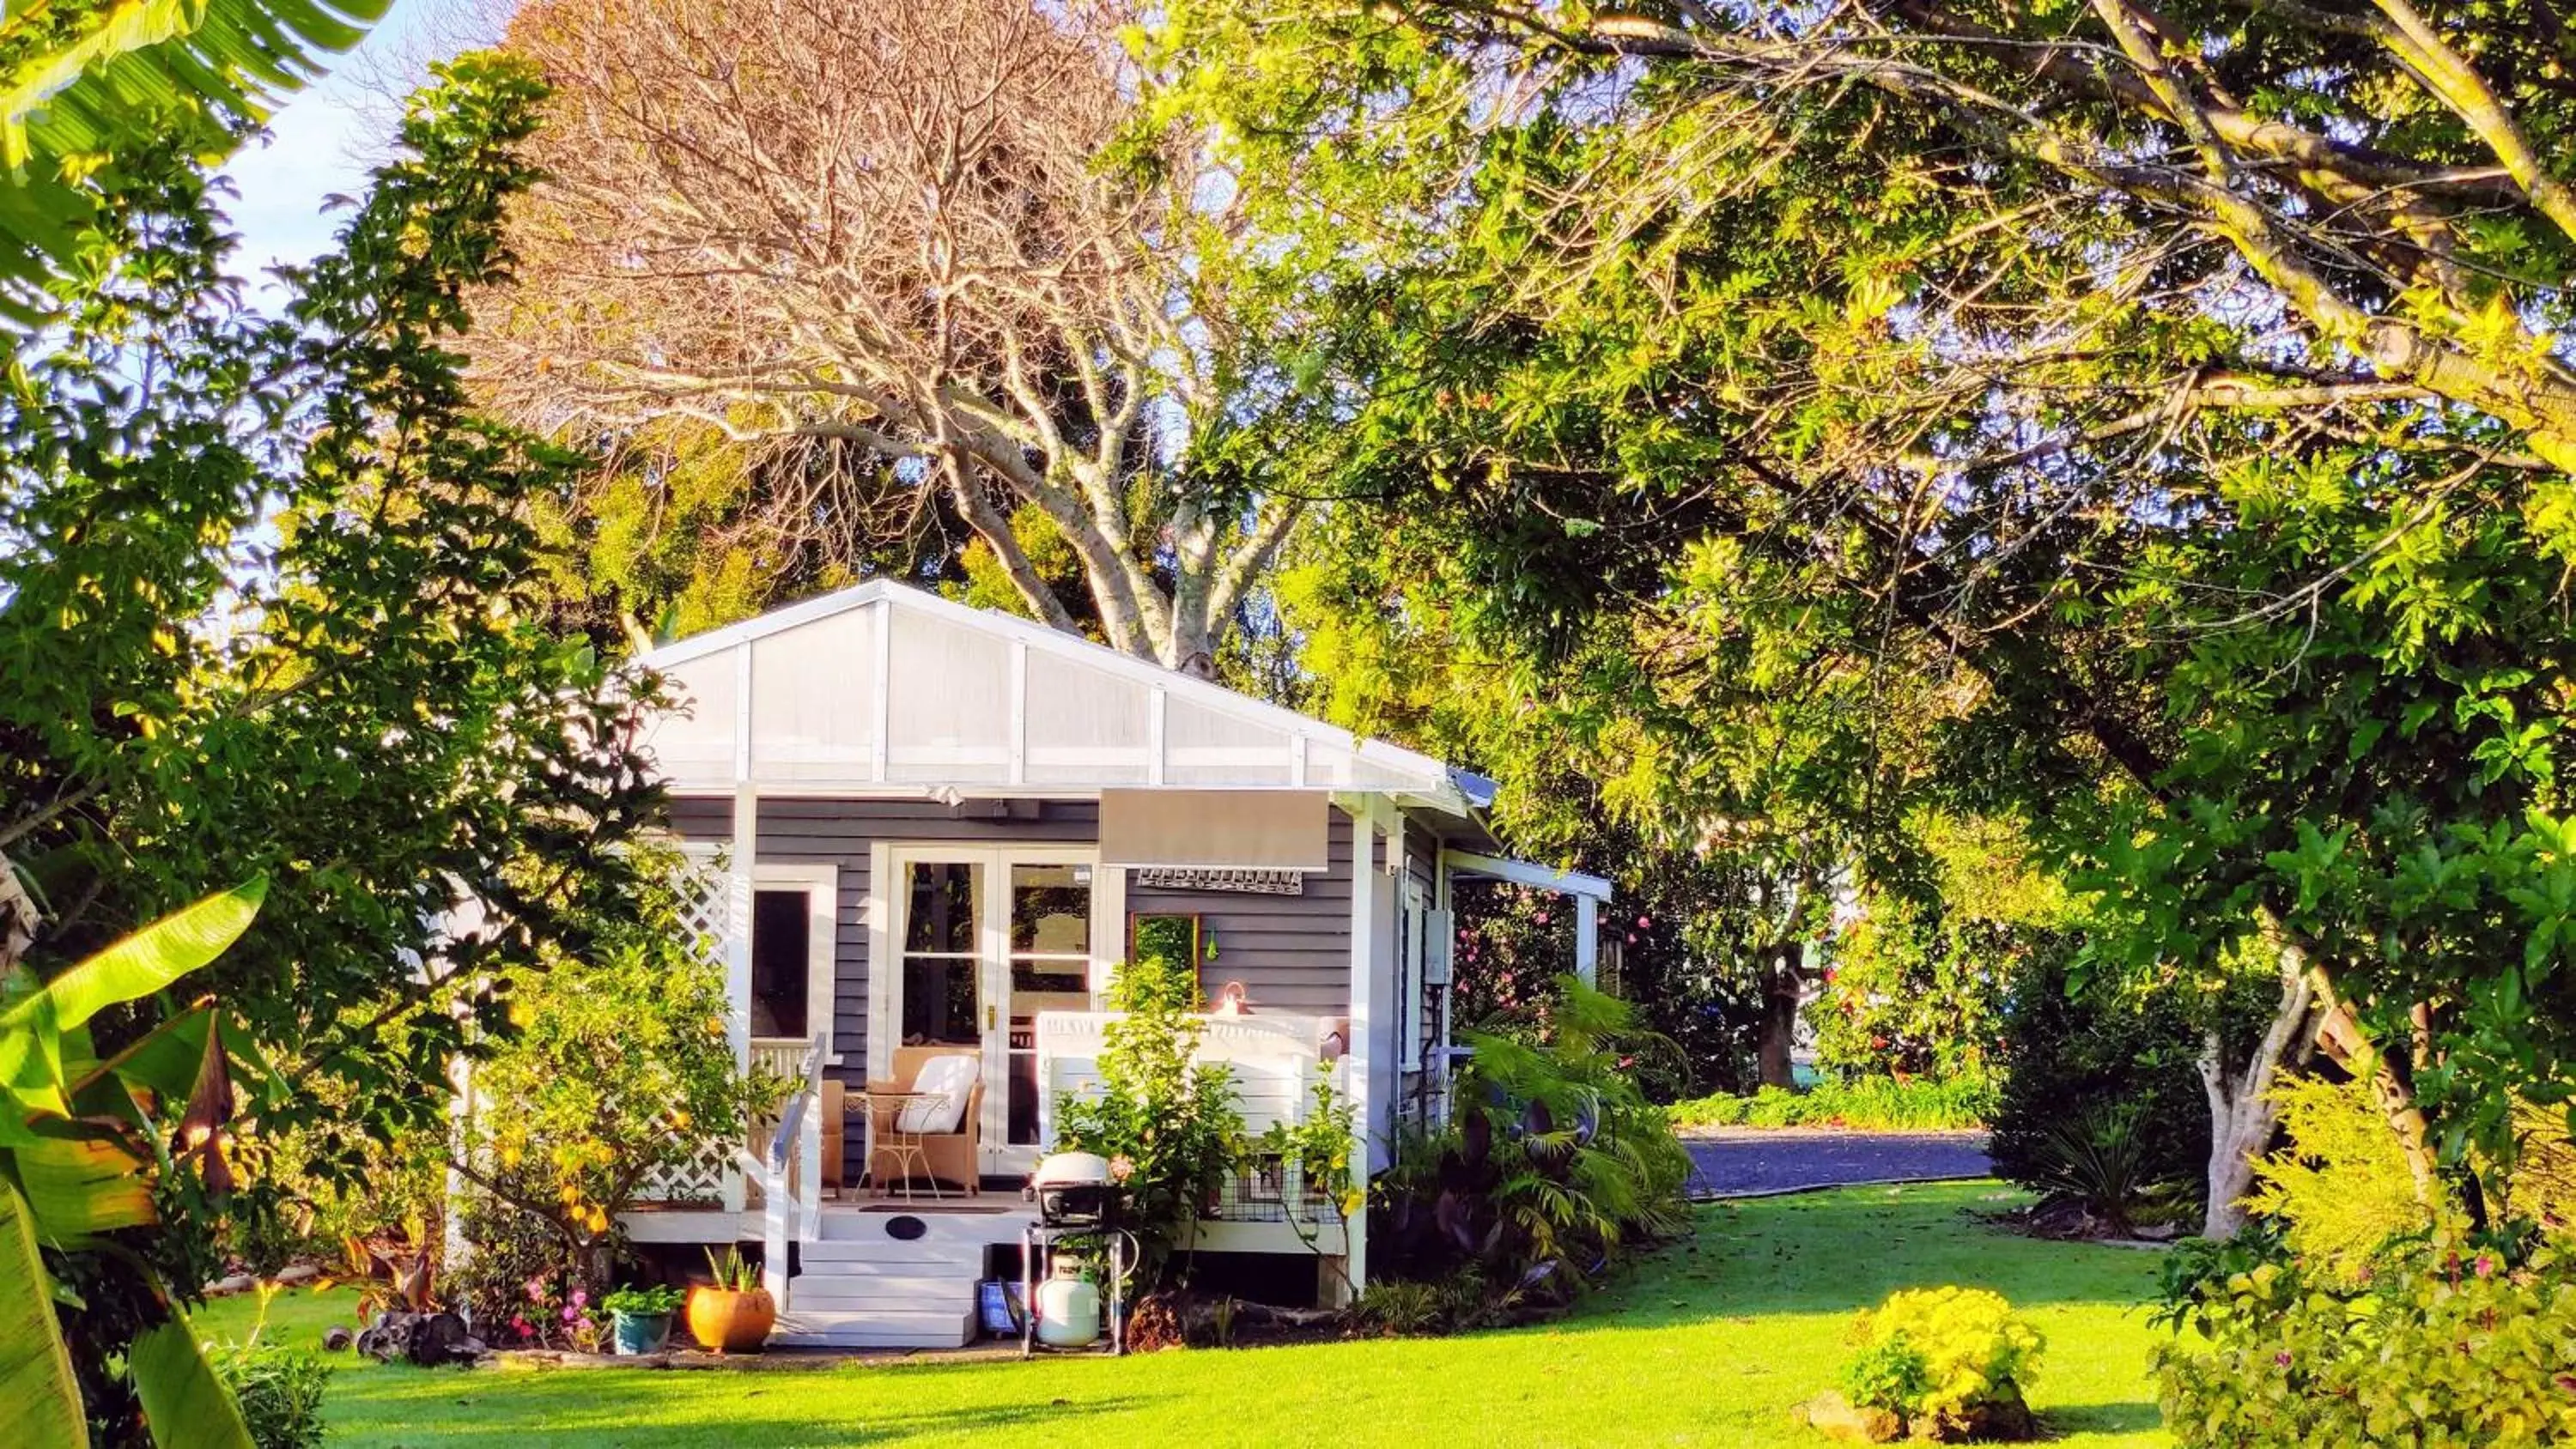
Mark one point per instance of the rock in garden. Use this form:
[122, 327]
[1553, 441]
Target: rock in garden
[337, 1338]
[430, 1340]
[1836, 1417]
[297, 1273]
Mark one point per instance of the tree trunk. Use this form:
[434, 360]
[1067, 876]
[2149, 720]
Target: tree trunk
[18, 916]
[1782, 981]
[2242, 1115]
[2345, 1039]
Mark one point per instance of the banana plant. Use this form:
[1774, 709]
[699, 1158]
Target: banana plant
[81, 1141]
[82, 81]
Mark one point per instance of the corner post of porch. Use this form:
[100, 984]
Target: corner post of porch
[737, 948]
[1371, 1002]
[1587, 939]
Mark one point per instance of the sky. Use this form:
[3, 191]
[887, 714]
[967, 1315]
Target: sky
[326, 138]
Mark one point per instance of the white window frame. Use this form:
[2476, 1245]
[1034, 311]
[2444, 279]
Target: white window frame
[822, 941]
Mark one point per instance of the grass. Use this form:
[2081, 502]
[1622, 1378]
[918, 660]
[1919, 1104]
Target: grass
[1710, 1343]
[1875, 1104]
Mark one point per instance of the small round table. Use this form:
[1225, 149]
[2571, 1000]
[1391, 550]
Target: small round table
[908, 1149]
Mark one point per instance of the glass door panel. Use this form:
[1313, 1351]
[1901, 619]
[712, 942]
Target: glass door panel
[942, 990]
[1049, 969]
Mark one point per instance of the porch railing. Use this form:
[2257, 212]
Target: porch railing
[789, 1169]
[1276, 1061]
[714, 1175]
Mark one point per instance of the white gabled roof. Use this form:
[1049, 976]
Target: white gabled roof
[886, 688]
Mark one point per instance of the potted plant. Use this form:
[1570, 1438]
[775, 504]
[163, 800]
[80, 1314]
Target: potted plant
[642, 1316]
[734, 1314]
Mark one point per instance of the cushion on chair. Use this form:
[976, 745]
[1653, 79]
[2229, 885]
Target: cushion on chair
[952, 1077]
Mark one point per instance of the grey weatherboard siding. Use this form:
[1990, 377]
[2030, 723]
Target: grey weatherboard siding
[1292, 953]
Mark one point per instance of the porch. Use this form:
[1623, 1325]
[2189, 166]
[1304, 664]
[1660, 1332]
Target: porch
[862, 1264]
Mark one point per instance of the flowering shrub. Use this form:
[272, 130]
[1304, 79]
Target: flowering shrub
[2447, 1348]
[519, 1287]
[1910, 994]
[1948, 1362]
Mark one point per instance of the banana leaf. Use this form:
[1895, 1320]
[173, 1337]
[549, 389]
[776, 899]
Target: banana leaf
[36, 1381]
[144, 962]
[184, 1404]
[32, 1065]
[82, 81]
[79, 1187]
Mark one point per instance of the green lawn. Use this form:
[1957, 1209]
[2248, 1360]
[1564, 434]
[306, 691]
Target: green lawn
[1711, 1344]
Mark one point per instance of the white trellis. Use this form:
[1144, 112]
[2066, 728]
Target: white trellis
[706, 913]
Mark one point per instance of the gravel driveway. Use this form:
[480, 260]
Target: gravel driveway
[1745, 1161]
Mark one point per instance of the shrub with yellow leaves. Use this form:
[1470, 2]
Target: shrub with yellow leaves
[1947, 1363]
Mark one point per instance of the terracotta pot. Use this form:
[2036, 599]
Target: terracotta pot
[723, 1321]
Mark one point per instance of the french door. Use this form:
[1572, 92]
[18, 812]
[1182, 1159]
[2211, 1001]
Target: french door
[983, 938]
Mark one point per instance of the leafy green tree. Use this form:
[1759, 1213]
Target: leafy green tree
[85, 82]
[271, 605]
[2175, 471]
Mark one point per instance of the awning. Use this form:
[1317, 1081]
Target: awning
[1217, 829]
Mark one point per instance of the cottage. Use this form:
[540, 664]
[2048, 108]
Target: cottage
[931, 833]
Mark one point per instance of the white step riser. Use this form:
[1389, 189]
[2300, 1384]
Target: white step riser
[824, 1295]
[896, 1258]
[941, 1329]
[938, 1228]
[945, 1264]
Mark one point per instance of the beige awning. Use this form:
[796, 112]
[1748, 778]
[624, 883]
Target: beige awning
[1217, 829]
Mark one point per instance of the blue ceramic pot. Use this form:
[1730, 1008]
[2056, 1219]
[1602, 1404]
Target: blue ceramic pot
[640, 1332]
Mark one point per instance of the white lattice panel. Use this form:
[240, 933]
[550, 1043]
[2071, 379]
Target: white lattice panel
[696, 1178]
[706, 906]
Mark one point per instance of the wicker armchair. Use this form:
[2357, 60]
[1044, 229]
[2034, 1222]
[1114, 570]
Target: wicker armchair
[950, 1157]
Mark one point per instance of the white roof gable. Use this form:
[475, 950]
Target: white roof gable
[884, 687]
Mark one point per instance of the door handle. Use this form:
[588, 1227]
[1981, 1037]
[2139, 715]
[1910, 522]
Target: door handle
[992, 1016]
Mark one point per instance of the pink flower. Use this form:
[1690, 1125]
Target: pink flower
[580, 1297]
[1541, 918]
[571, 1313]
[2282, 1358]
[1641, 923]
[2485, 1266]
[536, 1290]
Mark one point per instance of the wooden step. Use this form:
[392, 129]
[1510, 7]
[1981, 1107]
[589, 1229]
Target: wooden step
[831, 1291]
[877, 1328]
[884, 1255]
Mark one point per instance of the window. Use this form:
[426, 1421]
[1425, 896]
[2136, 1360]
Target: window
[780, 939]
[1164, 938]
[942, 996]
